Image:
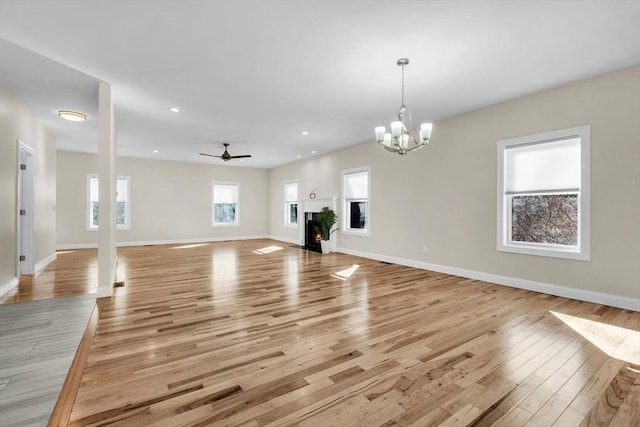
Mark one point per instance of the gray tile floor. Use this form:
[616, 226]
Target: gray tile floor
[38, 340]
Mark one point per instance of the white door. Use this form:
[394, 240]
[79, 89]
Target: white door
[24, 223]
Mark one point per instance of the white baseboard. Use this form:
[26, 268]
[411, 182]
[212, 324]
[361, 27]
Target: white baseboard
[42, 264]
[8, 286]
[514, 282]
[284, 239]
[71, 246]
[190, 241]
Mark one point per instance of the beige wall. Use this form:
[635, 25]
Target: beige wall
[169, 200]
[17, 123]
[443, 198]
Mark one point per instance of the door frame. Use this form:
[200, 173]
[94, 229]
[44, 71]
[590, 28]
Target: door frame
[24, 200]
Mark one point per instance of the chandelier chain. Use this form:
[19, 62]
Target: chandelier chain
[402, 85]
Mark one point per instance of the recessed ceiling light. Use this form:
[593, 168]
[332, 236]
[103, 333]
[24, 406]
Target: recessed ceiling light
[174, 110]
[298, 156]
[156, 151]
[304, 132]
[313, 152]
[242, 160]
[74, 116]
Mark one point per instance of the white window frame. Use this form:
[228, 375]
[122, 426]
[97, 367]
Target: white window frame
[582, 250]
[127, 212]
[288, 203]
[237, 218]
[346, 211]
[89, 216]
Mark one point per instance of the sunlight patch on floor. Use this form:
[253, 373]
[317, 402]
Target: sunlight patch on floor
[267, 250]
[346, 273]
[224, 269]
[195, 245]
[620, 343]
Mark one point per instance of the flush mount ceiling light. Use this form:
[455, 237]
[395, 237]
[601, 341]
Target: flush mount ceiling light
[174, 109]
[74, 116]
[400, 140]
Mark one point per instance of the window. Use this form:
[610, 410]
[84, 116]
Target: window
[291, 203]
[122, 202]
[225, 204]
[355, 211]
[543, 194]
[93, 188]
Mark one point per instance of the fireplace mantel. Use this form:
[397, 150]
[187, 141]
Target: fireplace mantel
[316, 205]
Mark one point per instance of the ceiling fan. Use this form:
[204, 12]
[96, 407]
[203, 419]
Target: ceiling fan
[226, 156]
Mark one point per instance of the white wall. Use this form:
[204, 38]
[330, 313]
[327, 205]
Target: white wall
[444, 196]
[170, 201]
[17, 123]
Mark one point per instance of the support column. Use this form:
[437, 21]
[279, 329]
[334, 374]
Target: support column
[107, 192]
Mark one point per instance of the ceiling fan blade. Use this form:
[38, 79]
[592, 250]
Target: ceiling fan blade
[240, 157]
[210, 155]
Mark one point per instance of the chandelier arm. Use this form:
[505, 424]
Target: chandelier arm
[402, 151]
[390, 149]
[416, 147]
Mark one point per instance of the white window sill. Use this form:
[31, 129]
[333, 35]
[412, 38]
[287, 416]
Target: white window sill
[545, 250]
[117, 229]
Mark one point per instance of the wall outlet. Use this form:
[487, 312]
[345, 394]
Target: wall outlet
[425, 248]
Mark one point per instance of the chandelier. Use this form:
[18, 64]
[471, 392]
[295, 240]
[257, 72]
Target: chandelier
[400, 140]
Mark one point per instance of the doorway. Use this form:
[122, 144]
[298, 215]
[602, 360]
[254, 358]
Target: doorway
[24, 214]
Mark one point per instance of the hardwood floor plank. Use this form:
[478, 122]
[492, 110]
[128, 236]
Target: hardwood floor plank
[608, 403]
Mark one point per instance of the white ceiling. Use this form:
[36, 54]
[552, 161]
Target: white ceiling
[256, 73]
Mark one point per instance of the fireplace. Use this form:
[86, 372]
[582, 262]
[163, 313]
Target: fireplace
[308, 237]
[311, 237]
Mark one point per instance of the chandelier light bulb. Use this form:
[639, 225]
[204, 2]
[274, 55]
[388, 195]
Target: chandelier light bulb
[396, 129]
[425, 131]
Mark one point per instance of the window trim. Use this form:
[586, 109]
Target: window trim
[212, 213]
[366, 232]
[287, 203]
[503, 218]
[127, 212]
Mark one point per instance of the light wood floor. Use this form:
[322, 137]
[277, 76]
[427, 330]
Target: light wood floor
[224, 334]
[74, 272]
